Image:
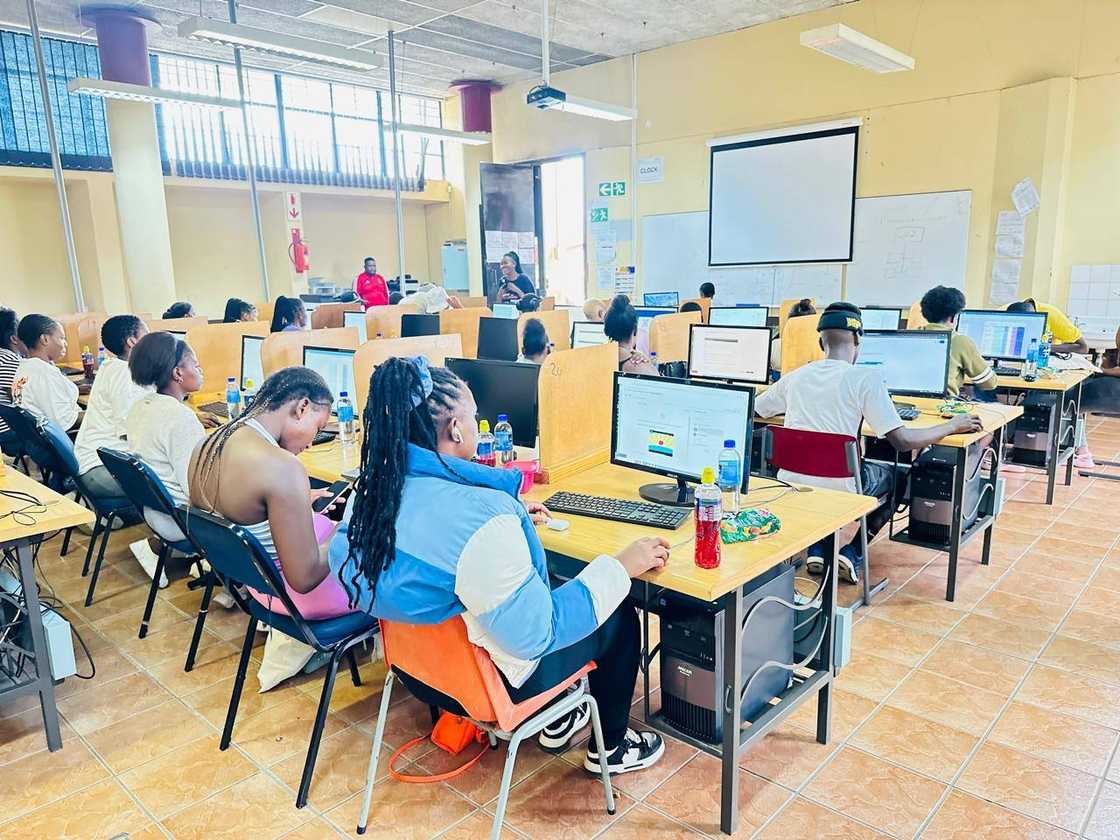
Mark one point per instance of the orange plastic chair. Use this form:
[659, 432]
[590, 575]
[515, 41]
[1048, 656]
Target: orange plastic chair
[442, 658]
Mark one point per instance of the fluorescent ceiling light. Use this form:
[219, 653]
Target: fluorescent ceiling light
[846, 44]
[276, 43]
[469, 138]
[144, 93]
[591, 108]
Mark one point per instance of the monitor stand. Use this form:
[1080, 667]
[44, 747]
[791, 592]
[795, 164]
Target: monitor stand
[674, 495]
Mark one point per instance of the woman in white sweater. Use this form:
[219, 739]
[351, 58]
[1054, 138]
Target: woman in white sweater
[43, 389]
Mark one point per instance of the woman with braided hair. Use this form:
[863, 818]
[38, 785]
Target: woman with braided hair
[429, 535]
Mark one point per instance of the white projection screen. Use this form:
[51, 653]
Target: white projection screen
[783, 198]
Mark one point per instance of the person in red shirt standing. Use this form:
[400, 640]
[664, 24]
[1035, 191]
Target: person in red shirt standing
[370, 286]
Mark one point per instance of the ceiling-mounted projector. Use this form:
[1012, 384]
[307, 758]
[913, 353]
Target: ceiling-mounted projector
[548, 98]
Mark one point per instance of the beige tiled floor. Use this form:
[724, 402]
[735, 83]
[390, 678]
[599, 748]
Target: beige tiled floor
[997, 716]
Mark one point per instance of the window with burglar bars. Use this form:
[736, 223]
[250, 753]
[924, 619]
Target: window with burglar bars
[302, 130]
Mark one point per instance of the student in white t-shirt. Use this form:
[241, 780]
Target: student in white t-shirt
[834, 395]
[42, 388]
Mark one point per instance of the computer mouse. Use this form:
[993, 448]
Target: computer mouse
[558, 524]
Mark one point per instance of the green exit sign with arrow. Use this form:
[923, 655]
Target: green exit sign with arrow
[609, 189]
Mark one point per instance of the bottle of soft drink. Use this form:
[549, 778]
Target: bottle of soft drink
[87, 362]
[730, 475]
[709, 512]
[346, 432]
[485, 454]
[100, 355]
[233, 398]
[1044, 350]
[653, 360]
[1030, 366]
[503, 440]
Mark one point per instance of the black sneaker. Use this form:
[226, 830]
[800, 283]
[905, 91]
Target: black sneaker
[637, 751]
[555, 737]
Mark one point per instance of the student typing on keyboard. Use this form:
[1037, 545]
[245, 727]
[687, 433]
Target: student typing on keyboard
[836, 396]
[941, 306]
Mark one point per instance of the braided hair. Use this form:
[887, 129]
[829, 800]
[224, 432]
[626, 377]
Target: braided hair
[287, 385]
[391, 423]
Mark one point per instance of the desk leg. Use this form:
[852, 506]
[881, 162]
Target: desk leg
[645, 648]
[1056, 414]
[1076, 405]
[39, 644]
[993, 479]
[732, 709]
[955, 524]
[825, 657]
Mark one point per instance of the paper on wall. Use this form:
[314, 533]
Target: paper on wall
[528, 256]
[625, 280]
[509, 240]
[1025, 197]
[605, 277]
[1010, 234]
[1005, 281]
[526, 240]
[605, 252]
[494, 249]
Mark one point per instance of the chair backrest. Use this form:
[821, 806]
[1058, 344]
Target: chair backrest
[820, 454]
[26, 426]
[801, 343]
[139, 482]
[58, 444]
[915, 320]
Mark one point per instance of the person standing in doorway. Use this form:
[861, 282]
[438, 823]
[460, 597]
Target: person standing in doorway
[371, 286]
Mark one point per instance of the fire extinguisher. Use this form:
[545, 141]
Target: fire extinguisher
[299, 253]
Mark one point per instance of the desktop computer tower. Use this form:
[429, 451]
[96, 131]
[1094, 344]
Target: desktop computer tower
[691, 652]
[1033, 436]
[931, 492]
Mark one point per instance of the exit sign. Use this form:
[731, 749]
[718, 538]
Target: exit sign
[599, 214]
[607, 189]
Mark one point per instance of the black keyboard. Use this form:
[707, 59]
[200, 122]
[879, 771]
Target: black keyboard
[618, 510]
[1007, 371]
[909, 413]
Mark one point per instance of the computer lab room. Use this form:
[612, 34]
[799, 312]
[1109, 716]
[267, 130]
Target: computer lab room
[555, 420]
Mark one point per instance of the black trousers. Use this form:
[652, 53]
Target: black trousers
[616, 648]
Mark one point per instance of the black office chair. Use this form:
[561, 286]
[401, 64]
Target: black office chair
[144, 488]
[241, 561]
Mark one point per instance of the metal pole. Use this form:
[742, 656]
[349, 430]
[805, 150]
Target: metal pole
[546, 61]
[56, 158]
[397, 156]
[251, 158]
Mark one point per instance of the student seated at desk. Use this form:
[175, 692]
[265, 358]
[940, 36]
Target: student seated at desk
[940, 307]
[801, 308]
[289, 315]
[594, 310]
[691, 306]
[834, 395]
[485, 561]
[11, 354]
[247, 471]
[41, 387]
[708, 290]
[1067, 336]
[621, 326]
[179, 309]
[239, 310]
[535, 346]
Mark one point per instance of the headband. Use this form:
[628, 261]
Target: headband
[421, 365]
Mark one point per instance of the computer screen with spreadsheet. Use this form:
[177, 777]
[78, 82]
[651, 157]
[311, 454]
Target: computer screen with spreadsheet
[357, 320]
[1002, 335]
[672, 299]
[881, 318]
[337, 367]
[738, 316]
[588, 334]
[912, 362]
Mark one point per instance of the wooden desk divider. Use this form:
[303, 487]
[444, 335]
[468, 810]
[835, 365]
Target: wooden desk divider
[471, 302]
[548, 303]
[218, 348]
[435, 348]
[915, 320]
[265, 311]
[787, 305]
[329, 315]
[574, 396]
[705, 305]
[284, 349]
[70, 323]
[89, 333]
[464, 322]
[557, 323]
[177, 324]
[668, 335]
[386, 320]
[800, 343]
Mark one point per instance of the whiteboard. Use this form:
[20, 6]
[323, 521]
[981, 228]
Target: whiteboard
[675, 258]
[906, 245]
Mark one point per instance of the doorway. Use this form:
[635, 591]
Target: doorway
[562, 228]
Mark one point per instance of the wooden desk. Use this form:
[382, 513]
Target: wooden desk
[1064, 389]
[20, 534]
[328, 461]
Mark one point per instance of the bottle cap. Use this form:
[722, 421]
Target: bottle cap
[249, 385]
[342, 394]
[231, 379]
[708, 476]
[484, 425]
[503, 418]
[729, 444]
[85, 349]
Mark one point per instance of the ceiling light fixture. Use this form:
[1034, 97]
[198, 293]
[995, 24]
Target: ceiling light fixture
[468, 138]
[144, 93]
[852, 46]
[275, 43]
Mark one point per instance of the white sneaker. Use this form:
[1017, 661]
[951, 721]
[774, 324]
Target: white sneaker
[148, 560]
[223, 599]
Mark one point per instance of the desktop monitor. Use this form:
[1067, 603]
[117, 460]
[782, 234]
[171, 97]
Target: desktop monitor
[672, 299]
[913, 363]
[1002, 335]
[676, 427]
[737, 354]
[881, 318]
[337, 367]
[251, 366]
[357, 320]
[497, 339]
[505, 310]
[414, 325]
[588, 334]
[738, 316]
[503, 388]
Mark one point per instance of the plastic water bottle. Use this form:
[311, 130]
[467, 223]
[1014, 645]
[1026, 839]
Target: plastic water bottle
[653, 361]
[346, 432]
[730, 475]
[100, 355]
[709, 512]
[1044, 351]
[1030, 367]
[87, 362]
[485, 454]
[503, 440]
[233, 398]
[248, 394]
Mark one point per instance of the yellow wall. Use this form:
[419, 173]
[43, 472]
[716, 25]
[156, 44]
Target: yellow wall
[1003, 89]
